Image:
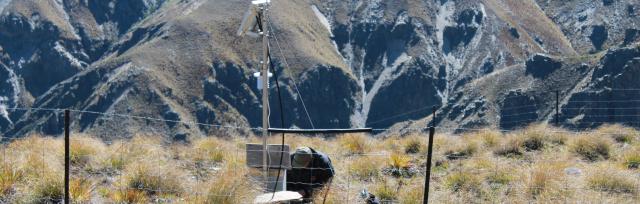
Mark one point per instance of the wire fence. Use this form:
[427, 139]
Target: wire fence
[174, 167]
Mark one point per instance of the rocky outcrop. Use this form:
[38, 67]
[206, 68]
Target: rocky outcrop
[332, 92]
[599, 36]
[356, 63]
[540, 65]
[467, 24]
[613, 95]
[518, 110]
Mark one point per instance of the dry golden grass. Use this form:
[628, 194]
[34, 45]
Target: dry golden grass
[355, 143]
[463, 181]
[228, 187]
[631, 158]
[591, 148]
[524, 166]
[545, 180]
[414, 144]
[366, 168]
[618, 133]
[80, 190]
[462, 150]
[612, 181]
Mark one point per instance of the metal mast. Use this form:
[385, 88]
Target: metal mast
[265, 90]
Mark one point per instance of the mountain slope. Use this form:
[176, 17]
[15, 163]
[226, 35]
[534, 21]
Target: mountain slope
[354, 63]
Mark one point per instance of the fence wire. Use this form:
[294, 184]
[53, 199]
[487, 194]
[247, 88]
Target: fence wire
[157, 167]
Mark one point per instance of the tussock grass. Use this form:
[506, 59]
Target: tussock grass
[591, 148]
[490, 138]
[500, 177]
[618, 133]
[545, 180]
[631, 159]
[229, 187]
[385, 191]
[463, 181]
[613, 181]
[512, 147]
[84, 149]
[153, 178]
[462, 151]
[355, 143]
[366, 168]
[9, 177]
[208, 150]
[517, 167]
[411, 196]
[80, 190]
[130, 196]
[413, 144]
[533, 138]
[47, 189]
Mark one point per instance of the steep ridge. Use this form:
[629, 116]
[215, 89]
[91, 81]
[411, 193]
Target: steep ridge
[379, 63]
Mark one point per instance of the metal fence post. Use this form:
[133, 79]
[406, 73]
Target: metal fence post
[557, 108]
[429, 156]
[66, 156]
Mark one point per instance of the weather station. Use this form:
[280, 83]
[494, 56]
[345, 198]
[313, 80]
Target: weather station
[272, 159]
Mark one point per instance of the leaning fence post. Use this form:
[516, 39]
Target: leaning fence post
[66, 156]
[429, 155]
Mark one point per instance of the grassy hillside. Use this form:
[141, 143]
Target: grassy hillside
[538, 164]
